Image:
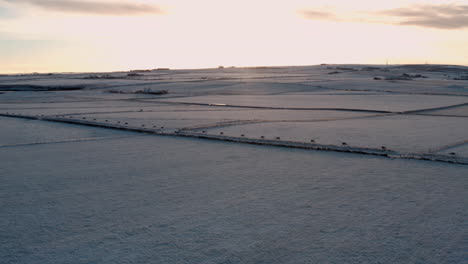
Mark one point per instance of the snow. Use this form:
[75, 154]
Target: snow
[448, 87]
[459, 150]
[455, 111]
[171, 200]
[25, 132]
[408, 134]
[101, 107]
[215, 116]
[72, 193]
[384, 102]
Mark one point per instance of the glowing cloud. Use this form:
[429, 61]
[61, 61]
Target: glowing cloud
[114, 8]
[312, 14]
[445, 16]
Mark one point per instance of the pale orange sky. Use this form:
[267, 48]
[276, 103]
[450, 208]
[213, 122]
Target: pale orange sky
[107, 35]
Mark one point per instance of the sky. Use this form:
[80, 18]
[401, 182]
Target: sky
[111, 35]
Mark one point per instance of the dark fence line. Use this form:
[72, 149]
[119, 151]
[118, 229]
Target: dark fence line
[383, 152]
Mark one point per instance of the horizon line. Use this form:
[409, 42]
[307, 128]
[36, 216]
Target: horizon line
[228, 67]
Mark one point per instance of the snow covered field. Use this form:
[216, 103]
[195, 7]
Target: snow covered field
[412, 133]
[71, 193]
[371, 101]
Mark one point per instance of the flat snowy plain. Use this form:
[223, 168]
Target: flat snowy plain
[319, 167]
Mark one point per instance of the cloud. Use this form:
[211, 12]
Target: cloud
[312, 14]
[115, 8]
[445, 16]
[448, 16]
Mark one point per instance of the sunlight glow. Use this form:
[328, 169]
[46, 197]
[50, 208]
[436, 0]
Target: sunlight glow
[208, 33]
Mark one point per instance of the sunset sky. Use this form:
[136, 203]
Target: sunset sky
[108, 35]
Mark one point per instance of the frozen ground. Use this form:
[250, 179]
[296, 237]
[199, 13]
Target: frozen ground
[168, 200]
[461, 111]
[412, 133]
[71, 193]
[219, 117]
[460, 149]
[372, 101]
[25, 132]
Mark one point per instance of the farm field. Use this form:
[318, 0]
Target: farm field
[235, 165]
